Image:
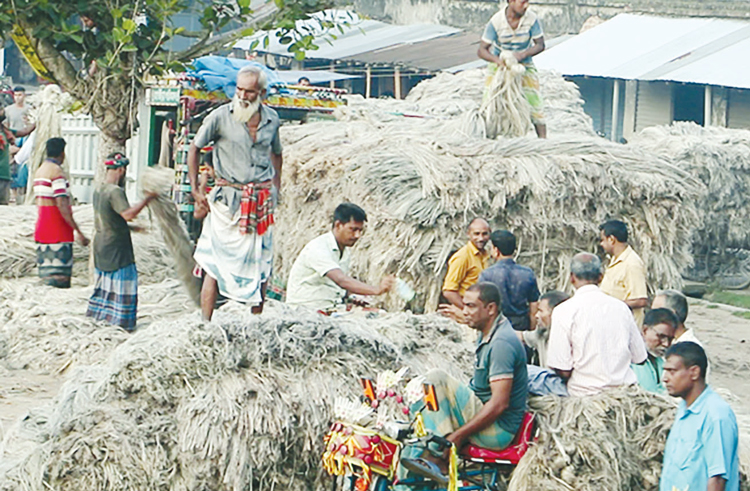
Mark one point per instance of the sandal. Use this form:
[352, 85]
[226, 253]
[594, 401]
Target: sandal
[426, 469]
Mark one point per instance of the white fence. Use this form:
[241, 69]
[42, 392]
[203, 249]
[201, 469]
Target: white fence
[82, 152]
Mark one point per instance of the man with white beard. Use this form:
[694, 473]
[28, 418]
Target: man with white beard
[235, 249]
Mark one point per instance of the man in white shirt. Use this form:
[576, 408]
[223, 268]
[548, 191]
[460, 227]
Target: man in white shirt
[319, 277]
[593, 338]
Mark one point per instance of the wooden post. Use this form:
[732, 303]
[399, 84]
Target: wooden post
[397, 83]
[707, 106]
[368, 82]
[615, 110]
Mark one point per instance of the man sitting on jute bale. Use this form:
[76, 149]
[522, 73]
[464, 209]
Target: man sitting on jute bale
[235, 249]
[319, 278]
[593, 339]
[489, 410]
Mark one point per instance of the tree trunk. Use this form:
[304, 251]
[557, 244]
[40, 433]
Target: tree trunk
[107, 145]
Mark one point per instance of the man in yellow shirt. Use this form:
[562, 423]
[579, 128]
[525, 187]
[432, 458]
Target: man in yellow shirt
[625, 278]
[467, 262]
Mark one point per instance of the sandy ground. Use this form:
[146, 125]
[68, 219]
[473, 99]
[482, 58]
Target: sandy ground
[726, 337]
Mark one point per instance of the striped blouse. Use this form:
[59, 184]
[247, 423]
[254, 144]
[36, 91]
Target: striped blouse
[51, 188]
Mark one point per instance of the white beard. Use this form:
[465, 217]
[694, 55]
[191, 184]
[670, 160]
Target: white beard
[242, 110]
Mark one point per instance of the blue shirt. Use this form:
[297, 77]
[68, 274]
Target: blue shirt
[502, 356]
[701, 444]
[649, 374]
[502, 37]
[518, 288]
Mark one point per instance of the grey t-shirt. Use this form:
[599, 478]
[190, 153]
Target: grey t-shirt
[17, 117]
[502, 356]
[113, 248]
[236, 157]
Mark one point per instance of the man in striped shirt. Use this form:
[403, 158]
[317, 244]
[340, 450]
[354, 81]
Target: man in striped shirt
[517, 29]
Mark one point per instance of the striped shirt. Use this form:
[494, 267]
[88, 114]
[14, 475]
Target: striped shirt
[502, 37]
[595, 336]
[51, 188]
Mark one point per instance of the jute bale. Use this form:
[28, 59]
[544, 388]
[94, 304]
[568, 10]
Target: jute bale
[612, 441]
[720, 159]
[240, 403]
[45, 330]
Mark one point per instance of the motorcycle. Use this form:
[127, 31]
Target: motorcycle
[365, 445]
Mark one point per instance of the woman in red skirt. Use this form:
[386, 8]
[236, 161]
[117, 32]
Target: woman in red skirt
[55, 225]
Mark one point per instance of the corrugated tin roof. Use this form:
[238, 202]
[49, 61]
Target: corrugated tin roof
[639, 47]
[361, 36]
[432, 55]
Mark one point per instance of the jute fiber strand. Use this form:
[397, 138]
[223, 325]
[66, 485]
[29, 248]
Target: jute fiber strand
[422, 180]
[720, 159]
[18, 249]
[237, 404]
[159, 180]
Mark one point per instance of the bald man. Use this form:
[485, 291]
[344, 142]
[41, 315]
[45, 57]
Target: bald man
[467, 263]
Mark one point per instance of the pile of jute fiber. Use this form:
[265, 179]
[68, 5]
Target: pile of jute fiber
[611, 441]
[237, 404]
[421, 182]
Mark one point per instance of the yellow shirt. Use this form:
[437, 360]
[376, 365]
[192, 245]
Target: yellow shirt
[625, 279]
[464, 267]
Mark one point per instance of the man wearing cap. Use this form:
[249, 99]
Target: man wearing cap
[115, 297]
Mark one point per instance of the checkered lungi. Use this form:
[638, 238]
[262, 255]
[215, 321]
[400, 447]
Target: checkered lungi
[55, 262]
[457, 406]
[115, 297]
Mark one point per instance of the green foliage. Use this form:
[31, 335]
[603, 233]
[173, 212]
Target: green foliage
[741, 300]
[131, 36]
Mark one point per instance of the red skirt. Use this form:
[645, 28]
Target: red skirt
[51, 227]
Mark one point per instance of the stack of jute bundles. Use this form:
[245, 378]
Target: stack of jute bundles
[421, 181]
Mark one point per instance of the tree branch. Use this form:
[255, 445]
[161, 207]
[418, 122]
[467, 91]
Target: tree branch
[64, 72]
[208, 45]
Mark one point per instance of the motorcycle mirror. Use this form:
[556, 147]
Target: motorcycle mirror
[430, 397]
[369, 388]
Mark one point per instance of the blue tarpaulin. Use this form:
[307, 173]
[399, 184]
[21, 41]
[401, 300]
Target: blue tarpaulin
[220, 73]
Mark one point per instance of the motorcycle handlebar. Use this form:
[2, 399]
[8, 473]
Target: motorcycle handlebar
[443, 443]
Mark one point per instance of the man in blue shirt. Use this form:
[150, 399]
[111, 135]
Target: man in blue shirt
[519, 293]
[701, 452]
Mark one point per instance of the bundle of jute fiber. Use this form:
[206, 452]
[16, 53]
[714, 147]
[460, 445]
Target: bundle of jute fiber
[45, 329]
[720, 158]
[613, 440]
[48, 104]
[421, 186]
[458, 97]
[18, 249]
[236, 404]
[159, 181]
[505, 110]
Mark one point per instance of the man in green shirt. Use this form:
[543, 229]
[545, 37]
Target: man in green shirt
[658, 332]
[6, 140]
[115, 297]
